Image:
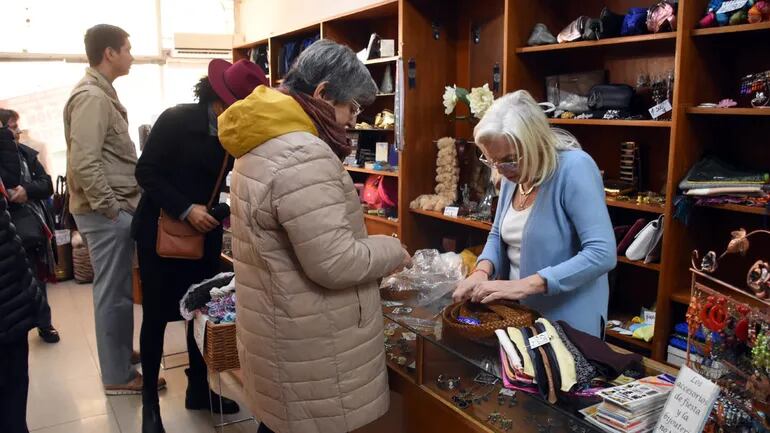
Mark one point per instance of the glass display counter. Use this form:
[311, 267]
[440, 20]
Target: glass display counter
[466, 376]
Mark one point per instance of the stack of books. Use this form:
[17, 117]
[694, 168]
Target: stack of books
[631, 408]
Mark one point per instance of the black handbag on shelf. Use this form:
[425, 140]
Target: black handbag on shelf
[610, 97]
[611, 23]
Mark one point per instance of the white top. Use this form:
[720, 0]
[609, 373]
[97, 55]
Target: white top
[512, 231]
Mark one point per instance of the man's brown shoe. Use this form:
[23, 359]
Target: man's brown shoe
[131, 388]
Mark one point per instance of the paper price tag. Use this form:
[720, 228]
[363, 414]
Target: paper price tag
[649, 317]
[731, 5]
[539, 340]
[409, 336]
[660, 109]
[451, 211]
[507, 392]
[63, 237]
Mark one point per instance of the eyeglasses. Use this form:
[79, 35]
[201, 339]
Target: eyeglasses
[503, 166]
[355, 108]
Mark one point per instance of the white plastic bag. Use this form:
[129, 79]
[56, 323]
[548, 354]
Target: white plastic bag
[432, 276]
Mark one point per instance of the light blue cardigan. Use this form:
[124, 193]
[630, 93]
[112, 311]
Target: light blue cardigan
[568, 240]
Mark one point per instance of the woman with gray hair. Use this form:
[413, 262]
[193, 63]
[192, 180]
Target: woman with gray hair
[552, 243]
[309, 318]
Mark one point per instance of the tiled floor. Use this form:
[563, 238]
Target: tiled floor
[65, 393]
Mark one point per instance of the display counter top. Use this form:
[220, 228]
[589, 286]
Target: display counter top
[437, 358]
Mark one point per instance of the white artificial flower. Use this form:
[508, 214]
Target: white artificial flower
[481, 98]
[450, 99]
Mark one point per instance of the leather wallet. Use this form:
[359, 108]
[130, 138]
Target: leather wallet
[635, 228]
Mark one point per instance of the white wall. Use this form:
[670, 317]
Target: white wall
[259, 19]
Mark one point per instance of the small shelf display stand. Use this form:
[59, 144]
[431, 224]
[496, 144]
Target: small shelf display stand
[729, 336]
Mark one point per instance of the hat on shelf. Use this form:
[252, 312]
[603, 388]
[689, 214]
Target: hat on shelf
[232, 82]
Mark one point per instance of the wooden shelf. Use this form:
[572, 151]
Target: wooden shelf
[741, 28]
[639, 263]
[740, 208]
[250, 45]
[641, 344]
[367, 171]
[602, 122]
[380, 219]
[681, 298]
[651, 208]
[381, 60]
[369, 130]
[459, 220]
[729, 111]
[625, 40]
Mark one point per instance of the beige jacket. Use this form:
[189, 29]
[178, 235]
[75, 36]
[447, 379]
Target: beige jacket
[309, 318]
[101, 158]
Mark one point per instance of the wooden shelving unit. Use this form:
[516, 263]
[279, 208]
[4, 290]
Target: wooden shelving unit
[602, 122]
[467, 42]
[457, 220]
[682, 298]
[628, 340]
[632, 205]
[726, 30]
[367, 171]
[639, 263]
[740, 209]
[620, 41]
[370, 130]
[381, 220]
[728, 111]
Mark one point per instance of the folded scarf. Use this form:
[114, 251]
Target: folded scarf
[611, 364]
[325, 121]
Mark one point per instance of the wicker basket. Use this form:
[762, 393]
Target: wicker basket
[221, 349]
[81, 263]
[492, 317]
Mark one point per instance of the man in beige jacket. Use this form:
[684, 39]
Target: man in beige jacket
[101, 159]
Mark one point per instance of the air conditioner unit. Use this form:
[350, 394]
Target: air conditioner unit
[202, 46]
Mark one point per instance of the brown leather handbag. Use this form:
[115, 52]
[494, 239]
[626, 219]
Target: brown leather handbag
[178, 239]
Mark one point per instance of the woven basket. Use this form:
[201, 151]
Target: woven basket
[397, 295]
[221, 349]
[492, 317]
[81, 264]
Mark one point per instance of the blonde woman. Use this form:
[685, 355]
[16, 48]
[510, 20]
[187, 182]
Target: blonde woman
[552, 243]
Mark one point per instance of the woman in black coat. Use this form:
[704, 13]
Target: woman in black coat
[20, 302]
[178, 172]
[29, 188]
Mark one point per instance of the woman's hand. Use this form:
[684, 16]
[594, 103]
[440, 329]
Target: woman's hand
[18, 195]
[515, 290]
[200, 219]
[406, 261]
[465, 288]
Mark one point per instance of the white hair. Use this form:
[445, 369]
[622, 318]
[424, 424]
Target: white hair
[520, 120]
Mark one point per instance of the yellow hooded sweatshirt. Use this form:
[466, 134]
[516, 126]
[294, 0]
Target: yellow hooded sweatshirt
[262, 116]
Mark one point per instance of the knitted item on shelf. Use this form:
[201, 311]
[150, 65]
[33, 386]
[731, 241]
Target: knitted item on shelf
[447, 178]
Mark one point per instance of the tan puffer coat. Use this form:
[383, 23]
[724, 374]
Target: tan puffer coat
[309, 317]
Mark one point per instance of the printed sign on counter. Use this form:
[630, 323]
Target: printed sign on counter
[689, 404]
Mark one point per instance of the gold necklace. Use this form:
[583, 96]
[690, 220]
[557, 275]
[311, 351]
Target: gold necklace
[528, 192]
[523, 205]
